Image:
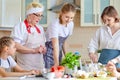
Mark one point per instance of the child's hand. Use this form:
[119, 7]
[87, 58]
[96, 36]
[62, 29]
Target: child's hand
[37, 72]
[34, 72]
[112, 68]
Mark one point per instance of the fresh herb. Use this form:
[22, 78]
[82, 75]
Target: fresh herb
[71, 60]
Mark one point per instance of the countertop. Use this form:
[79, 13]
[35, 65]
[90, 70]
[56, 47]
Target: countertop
[6, 28]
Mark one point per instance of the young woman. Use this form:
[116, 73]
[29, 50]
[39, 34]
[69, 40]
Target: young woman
[107, 37]
[7, 49]
[30, 39]
[57, 33]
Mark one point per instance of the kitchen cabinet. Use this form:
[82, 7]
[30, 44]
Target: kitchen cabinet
[91, 11]
[10, 12]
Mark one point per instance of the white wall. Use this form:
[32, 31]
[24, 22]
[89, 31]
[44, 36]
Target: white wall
[117, 6]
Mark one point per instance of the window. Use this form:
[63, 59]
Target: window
[43, 2]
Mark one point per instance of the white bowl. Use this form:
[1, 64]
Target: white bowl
[102, 74]
[49, 75]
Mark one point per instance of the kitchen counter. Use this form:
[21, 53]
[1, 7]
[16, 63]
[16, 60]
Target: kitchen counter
[6, 28]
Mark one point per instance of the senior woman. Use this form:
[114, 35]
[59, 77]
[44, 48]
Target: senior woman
[30, 39]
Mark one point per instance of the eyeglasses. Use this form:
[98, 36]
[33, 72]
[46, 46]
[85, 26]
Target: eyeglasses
[38, 15]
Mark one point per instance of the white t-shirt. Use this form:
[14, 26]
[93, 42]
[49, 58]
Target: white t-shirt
[55, 29]
[104, 39]
[5, 63]
[20, 33]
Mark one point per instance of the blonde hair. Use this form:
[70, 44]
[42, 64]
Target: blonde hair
[5, 41]
[67, 7]
[34, 5]
[111, 12]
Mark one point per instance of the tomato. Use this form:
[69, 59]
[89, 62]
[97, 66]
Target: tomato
[60, 68]
[53, 69]
[59, 71]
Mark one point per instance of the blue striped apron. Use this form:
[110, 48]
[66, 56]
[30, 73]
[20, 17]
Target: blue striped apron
[108, 54]
[48, 57]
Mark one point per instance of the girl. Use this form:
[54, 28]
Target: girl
[7, 49]
[112, 69]
[57, 33]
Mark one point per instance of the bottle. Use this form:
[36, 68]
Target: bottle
[80, 62]
[77, 53]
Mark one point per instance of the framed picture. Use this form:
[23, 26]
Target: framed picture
[24, 4]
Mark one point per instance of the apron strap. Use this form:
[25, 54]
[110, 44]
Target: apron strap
[28, 27]
[7, 60]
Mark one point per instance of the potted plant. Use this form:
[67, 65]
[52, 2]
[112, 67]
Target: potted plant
[71, 60]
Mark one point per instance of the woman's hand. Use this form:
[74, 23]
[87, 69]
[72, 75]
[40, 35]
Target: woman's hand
[37, 50]
[93, 57]
[56, 63]
[42, 49]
